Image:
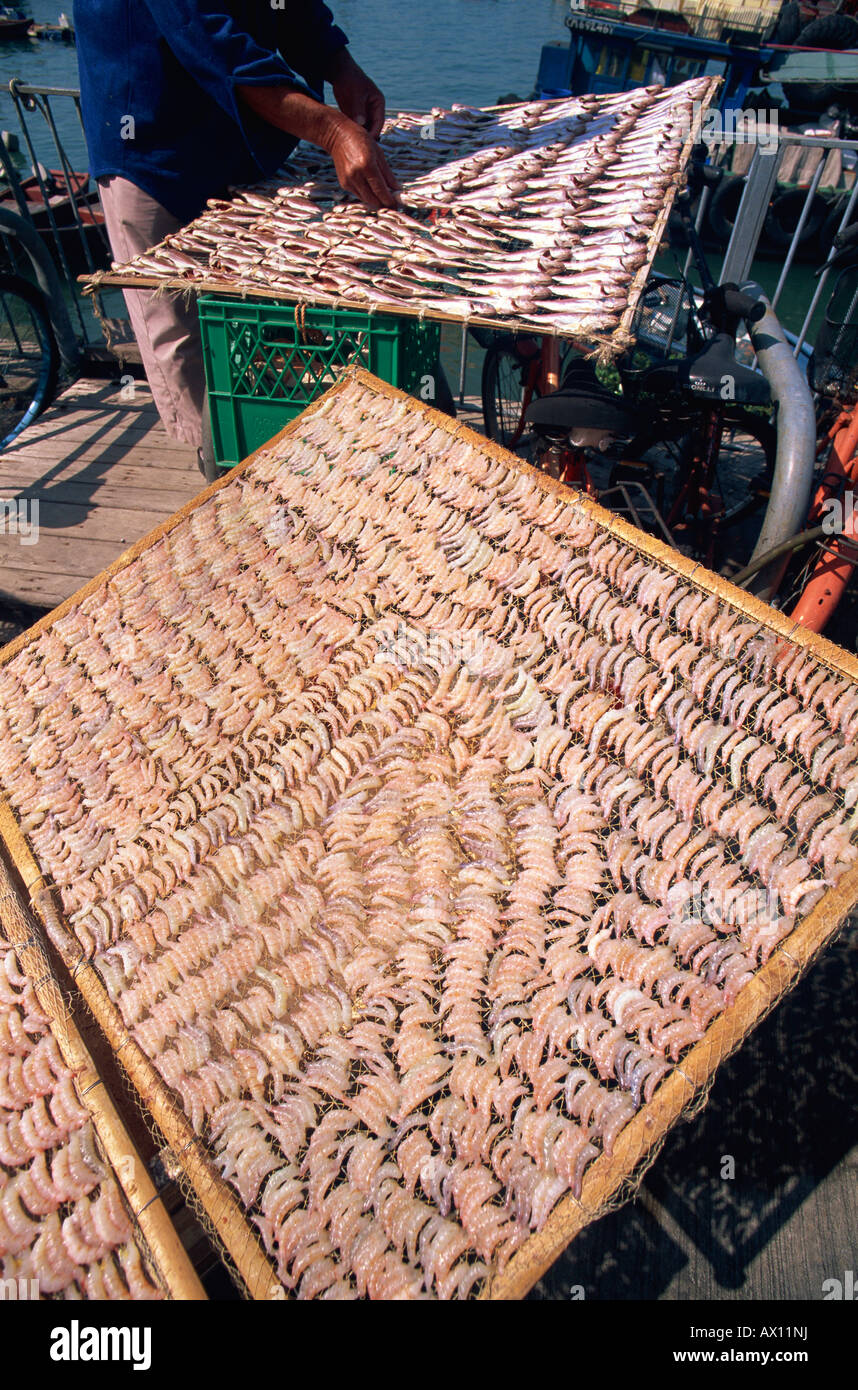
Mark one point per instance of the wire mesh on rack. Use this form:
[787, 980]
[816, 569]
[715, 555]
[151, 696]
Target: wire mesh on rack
[77, 1218]
[835, 352]
[661, 319]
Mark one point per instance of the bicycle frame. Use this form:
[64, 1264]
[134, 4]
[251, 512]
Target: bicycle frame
[834, 568]
[535, 375]
[543, 375]
[699, 509]
[695, 494]
[571, 463]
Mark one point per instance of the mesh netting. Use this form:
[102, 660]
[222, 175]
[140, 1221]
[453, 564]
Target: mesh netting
[661, 319]
[835, 353]
[431, 837]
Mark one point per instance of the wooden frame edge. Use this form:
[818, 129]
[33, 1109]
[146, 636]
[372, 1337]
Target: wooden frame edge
[219, 1202]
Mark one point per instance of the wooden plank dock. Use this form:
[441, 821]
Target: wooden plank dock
[104, 471]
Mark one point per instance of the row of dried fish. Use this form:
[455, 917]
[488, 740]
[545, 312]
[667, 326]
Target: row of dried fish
[417, 828]
[749, 746]
[63, 1222]
[541, 213]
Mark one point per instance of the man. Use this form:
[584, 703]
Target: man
[182, 98]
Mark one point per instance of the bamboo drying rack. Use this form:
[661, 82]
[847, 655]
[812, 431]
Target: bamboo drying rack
[606, 1178]
[603, 346]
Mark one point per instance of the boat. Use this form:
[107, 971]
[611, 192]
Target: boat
[61, 32]
[616, 45]
[823, 76]
[60, 189]
[13, 24]
[64, 194]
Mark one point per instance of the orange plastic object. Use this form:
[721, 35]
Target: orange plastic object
[833, 570]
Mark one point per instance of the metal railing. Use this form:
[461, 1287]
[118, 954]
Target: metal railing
[72, 226]
[760, 185]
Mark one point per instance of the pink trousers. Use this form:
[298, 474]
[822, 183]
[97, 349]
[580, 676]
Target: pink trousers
[165, 325]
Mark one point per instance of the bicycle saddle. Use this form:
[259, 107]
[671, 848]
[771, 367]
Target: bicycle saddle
[580, 403]
[712, 374]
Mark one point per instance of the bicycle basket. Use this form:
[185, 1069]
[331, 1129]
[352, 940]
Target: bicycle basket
[834, 365]
[661, 319]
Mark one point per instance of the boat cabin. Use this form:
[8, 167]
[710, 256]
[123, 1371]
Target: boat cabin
[614, 48]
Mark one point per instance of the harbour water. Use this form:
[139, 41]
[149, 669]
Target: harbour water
[420, 55]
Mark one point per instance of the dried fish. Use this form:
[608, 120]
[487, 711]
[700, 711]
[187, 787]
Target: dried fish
[63, 1221]
[580, 181]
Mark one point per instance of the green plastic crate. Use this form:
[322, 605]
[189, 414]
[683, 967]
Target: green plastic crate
[264, 364]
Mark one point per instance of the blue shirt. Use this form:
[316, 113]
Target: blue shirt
[172, 67]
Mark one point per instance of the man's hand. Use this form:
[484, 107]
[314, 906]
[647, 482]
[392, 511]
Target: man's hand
[361, 167]
[356, 94]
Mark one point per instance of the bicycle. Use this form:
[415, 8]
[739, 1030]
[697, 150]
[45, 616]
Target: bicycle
[37, 341]
[519, 368]
[29, 356]
[513, 375]
[832, 519]
[687, 449]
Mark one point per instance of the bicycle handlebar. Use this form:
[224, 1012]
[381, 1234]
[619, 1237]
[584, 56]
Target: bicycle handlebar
[704, 176]
[742, 306]
[728, 304]
[845, 251]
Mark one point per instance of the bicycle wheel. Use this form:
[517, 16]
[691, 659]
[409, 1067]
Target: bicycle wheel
[741, 480]
[746, 462]
[29, 357]
[506, 393]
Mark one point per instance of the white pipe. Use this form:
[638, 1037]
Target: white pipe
[796, 448]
